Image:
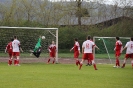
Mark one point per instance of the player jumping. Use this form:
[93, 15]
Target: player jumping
[38, 49]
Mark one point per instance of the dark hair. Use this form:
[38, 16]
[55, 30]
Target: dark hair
[15, 37]
[11, 39]
[117, 38]
[76, 39]
[131, 38]
[88, 37]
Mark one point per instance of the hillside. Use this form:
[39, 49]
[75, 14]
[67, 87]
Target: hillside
[123, 29]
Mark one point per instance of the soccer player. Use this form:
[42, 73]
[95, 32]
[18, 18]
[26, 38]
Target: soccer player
[9, 50]
[118, 49]
[89, 60]
[16, 50]
[52, 52]
[87, 47]
[129, 52]
[76, 49]
[38, 49]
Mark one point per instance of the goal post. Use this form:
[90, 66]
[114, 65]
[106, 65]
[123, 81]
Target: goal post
[107, 45]
[29, 36]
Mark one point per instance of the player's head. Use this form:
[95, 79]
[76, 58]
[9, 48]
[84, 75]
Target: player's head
[75, 39]
[53, 42]
[15, 37]
[88, 37]
[117, 38]
[11, 39]
[131, 38]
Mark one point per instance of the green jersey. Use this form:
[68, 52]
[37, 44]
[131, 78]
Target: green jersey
[37, 45]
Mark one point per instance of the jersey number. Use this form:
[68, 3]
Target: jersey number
[87, 45]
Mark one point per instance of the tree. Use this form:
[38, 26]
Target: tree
[79, 2]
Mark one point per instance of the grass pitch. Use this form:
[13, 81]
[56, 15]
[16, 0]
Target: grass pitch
[40, 75]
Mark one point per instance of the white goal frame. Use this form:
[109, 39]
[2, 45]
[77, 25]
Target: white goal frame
[7, 27]
[96, 37]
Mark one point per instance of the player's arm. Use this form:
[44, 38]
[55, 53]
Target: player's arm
[71, 48]
[20, 48]
[83, 49]
[49, 49]
[96, 47]
[6, 49]
[124, 48]
[114, 48]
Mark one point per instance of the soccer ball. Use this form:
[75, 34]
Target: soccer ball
[43, 37]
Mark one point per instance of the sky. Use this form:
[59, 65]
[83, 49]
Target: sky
[105, 1]
[111, 2]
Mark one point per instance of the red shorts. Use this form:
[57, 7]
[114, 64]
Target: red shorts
[88, 56]
[52, 54]
[76, 54]
[15, 53]
[129, 56]
[10, 53]
[117, 53]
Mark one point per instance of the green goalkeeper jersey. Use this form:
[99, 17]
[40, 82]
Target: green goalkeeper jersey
[37, 45]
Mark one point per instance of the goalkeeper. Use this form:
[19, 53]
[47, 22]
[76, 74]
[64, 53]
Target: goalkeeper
[38, 49]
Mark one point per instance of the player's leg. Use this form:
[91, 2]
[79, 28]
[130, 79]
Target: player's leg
[53, 60]
[10, 58]
[117, 62]
[89, 62]
[17, 58]
[50, 56]
[132, 60]
[93, 62]
[53, 55]
[82, 61]
[77, 61]
[117, 59]
[38, 54]
[48, 60]
[124, 62]
[14, 57]
[35, 54]
[76, 54]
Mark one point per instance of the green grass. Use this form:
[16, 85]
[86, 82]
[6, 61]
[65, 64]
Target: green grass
[40, 75]
[67, 55]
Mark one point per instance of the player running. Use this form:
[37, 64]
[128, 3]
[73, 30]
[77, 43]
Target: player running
[118, 50]
[52, 52]
[9, 50]
[16, 50]
[129, 52]
[87, 47]
[76, 49]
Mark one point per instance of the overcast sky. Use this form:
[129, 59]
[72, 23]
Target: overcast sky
[118, 2]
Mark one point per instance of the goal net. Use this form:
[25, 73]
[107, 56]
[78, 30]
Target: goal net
[28, 36]
[107, 45]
